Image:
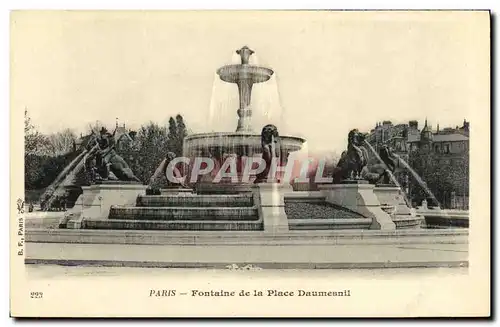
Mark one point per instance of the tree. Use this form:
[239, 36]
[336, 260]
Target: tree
[152, 147]
[181, 127]
[33, 140]
[177, 131]
[442, 178]
[60, 142]
[172, 135]
[33, 145]
[152, 143]
[425, 169]
[181, 134]
[95, 127]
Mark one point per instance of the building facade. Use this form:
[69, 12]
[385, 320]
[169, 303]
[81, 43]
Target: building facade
[439, 159]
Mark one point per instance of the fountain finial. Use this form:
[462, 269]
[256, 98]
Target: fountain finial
[245, 53]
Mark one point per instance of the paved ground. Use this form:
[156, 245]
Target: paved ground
[43, 214]
[62, 272]
[263, 256]
[43, 219]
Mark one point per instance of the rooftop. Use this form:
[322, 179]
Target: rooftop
[440, 137]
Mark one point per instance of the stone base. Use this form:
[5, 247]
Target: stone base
[175, 191]
[270, 200]
[222, 188]
[408, 221]
[442, 218]
[361, 199]
[354, 181]
[403, 216]
[113, 182]
[96, 201]
[392, 196]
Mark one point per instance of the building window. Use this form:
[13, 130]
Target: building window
[446, 148]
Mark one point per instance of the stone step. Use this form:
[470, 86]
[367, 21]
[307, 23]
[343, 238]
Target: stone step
[183, 213]
[197, 225]
[195, 200]
[327, 224]
[396, 237]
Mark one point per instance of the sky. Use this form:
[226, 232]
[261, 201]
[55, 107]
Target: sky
[334, 71]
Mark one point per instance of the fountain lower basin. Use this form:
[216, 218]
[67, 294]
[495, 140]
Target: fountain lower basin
[242, 144]
[219, 146]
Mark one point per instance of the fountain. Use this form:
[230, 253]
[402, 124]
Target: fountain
[244, 142]
[259, 202]
[259, 222]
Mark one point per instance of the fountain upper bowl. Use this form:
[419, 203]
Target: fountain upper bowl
[236, 73]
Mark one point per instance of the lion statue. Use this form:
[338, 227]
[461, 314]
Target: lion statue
[271, 148]
[353, 160]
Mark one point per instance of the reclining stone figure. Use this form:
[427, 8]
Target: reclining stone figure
[160, 178]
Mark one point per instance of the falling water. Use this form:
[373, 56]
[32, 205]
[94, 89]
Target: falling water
[52, 187]
[67, 176]
[391, 175]
[224, 101]
[413, 172]
[266, 106]
[221, 140]
[420, 181]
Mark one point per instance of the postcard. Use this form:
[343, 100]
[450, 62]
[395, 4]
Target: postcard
[250, 163]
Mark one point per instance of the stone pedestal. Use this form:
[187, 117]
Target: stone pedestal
[403, 216]
[96, 201]
[361, 199]
[393, 196]
[270, 200]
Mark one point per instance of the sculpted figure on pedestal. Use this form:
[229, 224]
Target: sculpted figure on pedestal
[160, 178]
[353, 160]
[105, 163]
